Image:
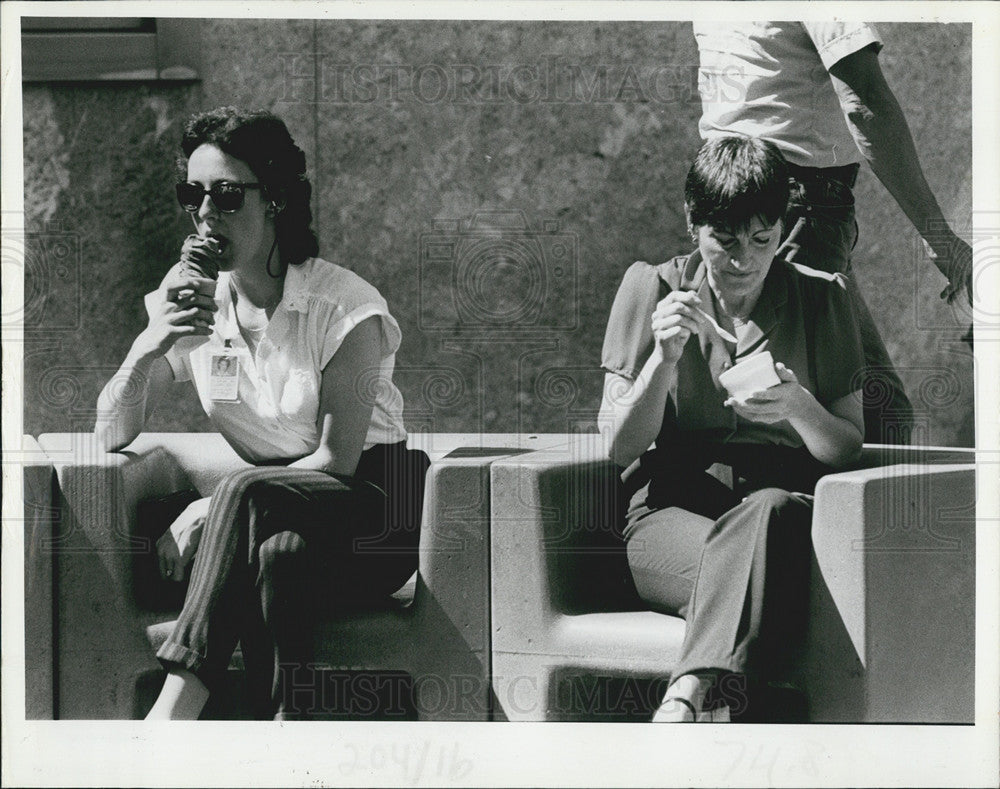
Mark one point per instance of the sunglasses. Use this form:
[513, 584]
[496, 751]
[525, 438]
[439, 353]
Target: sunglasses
[226, 195]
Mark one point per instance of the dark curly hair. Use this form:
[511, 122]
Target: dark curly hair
[261, 139]
[734, 180]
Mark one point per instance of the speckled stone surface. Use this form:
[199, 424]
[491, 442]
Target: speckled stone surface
[901, 287]
[422, 138]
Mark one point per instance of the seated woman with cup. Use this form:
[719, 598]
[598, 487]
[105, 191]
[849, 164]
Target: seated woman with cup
[729, 359]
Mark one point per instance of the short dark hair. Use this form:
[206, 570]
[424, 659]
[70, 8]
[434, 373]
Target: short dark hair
[734, 180]
[261, 139]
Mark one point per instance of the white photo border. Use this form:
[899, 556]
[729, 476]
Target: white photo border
[65, 753]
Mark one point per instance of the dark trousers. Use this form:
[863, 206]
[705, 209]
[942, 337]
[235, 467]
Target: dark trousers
[734, 563]
[282, 546]
[821, 232]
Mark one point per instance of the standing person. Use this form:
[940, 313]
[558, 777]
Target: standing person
[292, 359]
[816, 90]
[732, 560]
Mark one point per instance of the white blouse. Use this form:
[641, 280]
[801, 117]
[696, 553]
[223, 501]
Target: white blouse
[279, 382]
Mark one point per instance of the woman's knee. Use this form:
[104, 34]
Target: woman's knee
[766, 510]
[257, 490]
[782, 515]
[234, 487]
[282, 555]
[779, 500]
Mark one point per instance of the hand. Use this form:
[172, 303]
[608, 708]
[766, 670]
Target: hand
[953, 257]
[783, 401]
[176, 548]
[198, 265]
[677, 316]
[185, 312]
[199, 261]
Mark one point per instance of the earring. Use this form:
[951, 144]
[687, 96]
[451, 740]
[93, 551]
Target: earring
[274, 208]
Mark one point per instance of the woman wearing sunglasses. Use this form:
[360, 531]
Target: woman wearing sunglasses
[292, 358]
[733, 558]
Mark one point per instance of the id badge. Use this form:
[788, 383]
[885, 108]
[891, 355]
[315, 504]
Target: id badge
[224, 377]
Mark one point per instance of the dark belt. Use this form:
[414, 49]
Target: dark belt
[754, 466]
[846, 174]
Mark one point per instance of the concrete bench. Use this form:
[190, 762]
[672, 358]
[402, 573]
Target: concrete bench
[39, 493]
[891, 634]
[101, 642]
[529, 522]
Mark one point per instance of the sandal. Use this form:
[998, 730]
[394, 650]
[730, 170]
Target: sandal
[719, 714]
[668, 714]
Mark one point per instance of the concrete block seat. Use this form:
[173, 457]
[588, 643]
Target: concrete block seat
[40, 519]
[435, 630]
[891, 633]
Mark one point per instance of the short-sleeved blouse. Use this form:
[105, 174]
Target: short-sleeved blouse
[276, 413]
[803, 317]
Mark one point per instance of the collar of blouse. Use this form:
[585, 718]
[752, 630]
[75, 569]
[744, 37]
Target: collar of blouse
[295, 296]
[766, 311]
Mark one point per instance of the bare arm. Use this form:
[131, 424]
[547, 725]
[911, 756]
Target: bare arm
[832, 436]
[344, 411]
[130, 396]
[880, 130]
[634, 409]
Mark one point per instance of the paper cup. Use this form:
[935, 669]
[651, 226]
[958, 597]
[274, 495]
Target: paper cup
[750, 375]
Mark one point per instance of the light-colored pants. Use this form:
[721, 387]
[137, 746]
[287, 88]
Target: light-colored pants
[734, 563]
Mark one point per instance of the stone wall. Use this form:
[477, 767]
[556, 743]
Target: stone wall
[421, 134]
